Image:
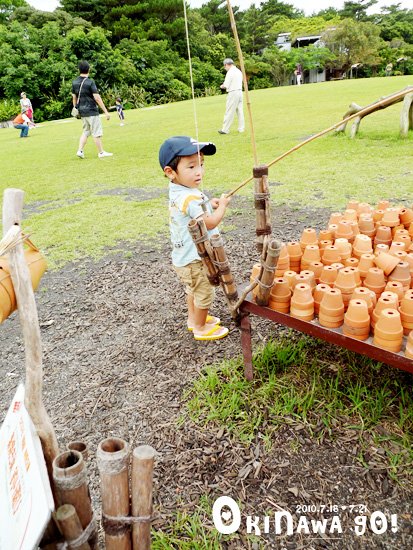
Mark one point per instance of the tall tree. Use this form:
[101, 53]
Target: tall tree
[357, 10]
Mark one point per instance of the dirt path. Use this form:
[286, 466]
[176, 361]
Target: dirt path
[117, 358]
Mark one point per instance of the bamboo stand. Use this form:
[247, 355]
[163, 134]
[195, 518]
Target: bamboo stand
[199, 234]
[269, 265]
[79, 446]
[227, 280]
[142, 482]
[70, 479]
[113, 461]
[262, 205]
[406, 115]
[71, 527]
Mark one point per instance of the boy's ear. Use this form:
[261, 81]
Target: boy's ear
[169, 173]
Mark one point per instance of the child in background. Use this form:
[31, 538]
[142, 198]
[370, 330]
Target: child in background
[119, 108]
[181, 159]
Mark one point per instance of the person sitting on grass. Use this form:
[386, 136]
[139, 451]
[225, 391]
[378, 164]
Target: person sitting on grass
[181, 159]
[22, 122]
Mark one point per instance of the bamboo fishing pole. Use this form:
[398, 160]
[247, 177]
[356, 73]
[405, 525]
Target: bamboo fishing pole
[380, 104]
[244, 78]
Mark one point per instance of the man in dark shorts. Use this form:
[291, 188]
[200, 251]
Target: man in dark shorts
[86, 98]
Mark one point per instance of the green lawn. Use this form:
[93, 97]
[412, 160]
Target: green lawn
[72, 215]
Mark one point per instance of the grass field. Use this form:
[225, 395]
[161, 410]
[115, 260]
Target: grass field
[73, 211]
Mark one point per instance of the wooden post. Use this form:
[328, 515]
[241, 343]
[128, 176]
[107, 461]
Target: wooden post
[200, 237]
[227, 280]
[70, 479]
[113, 462]
[268, 272]
[262, 205]
[78, 446]
[12, 213]
[70, 526]
[406, 115]
[142, 482]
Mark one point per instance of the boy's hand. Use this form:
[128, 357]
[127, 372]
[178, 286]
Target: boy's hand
[214, 203]
[224, 200]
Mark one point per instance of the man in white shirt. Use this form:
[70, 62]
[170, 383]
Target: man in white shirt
[233, 85]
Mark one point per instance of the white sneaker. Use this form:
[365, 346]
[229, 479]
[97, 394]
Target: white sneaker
[121, 124]
[104, 154]
[80, 154]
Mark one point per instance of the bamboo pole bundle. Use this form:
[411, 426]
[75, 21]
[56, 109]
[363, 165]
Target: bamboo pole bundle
[199, 234]
[113, 462]
[142, 483]
[227, 280]
[71, 528]
[269, 264]
[70, 480]
[262, 205]
[79, 446]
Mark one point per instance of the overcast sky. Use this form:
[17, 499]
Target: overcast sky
[308, 6]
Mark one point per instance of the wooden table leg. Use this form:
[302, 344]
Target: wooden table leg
[246, 346]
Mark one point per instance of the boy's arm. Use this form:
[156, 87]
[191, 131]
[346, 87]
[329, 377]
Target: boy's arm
[212, 220]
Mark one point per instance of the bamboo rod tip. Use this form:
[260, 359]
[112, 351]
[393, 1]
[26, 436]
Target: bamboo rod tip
[144, 452]
[65, 512]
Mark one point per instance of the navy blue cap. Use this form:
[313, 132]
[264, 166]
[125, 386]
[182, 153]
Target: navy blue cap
[183, 146]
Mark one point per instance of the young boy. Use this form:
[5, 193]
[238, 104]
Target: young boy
[119, 109]
[181, 159]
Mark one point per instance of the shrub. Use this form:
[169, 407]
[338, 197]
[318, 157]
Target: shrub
[8, 109]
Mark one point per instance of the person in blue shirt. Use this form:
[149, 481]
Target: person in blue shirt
[182, 160]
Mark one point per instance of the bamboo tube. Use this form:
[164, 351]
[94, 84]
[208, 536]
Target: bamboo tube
[199, 234]
[228, 283]
[78, 446]
[70, 526]
[29, 321]
[267, 278]
[262, 205]
[142, 483]
[70, 480]
[113, 462]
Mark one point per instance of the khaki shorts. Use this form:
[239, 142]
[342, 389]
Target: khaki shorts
[92, 126]
[196, 283]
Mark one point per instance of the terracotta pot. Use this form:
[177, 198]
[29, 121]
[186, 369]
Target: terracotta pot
[318, 295]
[355, 228]
[362, 245]
[357, 275]
[311, 254]
[375, 280]
[328, 275]
[333, 228]
[325, 235]
[353, 204]
[364, 208]
[363, 293]
[396, 246]
[396, 287]
[406, 239]
[316, 268]
[365, 263]
[409, 346]
[400, 232]
[335, 218]
[387, 300]
[377, 215]
[330, 255]
[350, 214]
[290, 276]
[351, 262]
[406, 313]
[280, 291]
[344, 230]
[379, 248]
[383, 235]
[294, 250]
[402, 274]
[410, 230]
[338, 265]
[383, 205]
[322, 244]
[310, 276]
[283, 262]
[391, 217]
[331, 313]
[409, 260]
[344, 248]
[366, 226]
[388, 332]
[302, 303]
[386, 262]
[395, 229]
[346, 279]
[401, 254]
[406, 216]
[308, 236]
[357, 320]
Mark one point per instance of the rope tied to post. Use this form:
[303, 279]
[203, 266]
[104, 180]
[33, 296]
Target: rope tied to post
[87, 533]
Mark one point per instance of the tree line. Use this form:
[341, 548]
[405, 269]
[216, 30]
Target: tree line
[138, 50]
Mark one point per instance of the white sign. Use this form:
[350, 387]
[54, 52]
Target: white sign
[26, 500]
